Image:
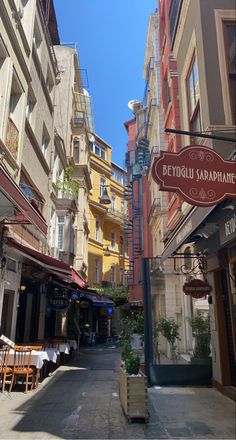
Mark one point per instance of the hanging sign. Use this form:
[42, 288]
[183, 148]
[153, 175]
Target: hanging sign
[198, 174]
[197, 288]
[58, 303]
[74, 295]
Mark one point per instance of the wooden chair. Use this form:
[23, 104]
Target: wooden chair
[22, 368]
[5, 370]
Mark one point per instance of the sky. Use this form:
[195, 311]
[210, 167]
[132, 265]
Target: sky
[111, 40]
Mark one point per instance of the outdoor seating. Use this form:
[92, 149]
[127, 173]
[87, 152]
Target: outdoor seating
[5, 370]
[22, 368]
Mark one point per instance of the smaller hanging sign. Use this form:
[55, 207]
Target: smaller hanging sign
[74, 295]
[58, 303]
[197, 288]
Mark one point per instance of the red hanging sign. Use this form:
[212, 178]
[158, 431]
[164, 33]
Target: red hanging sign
[197, 288]
[198, 174]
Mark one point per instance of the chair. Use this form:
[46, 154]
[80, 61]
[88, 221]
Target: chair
[22, 368]
[5, 371]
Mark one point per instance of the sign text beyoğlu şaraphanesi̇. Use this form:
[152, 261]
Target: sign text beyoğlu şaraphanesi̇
[199, 174]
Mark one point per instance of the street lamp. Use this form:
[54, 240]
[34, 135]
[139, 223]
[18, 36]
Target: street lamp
[105, 199]
[107, 252]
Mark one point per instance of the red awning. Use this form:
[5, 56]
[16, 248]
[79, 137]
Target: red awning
[11, 192]
[49, 263]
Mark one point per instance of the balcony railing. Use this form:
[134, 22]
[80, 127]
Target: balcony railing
[12, 138]
[155, 208]
[117, 214]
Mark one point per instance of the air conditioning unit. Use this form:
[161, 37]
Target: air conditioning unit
[55, 252]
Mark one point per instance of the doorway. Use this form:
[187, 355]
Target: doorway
[7, 312]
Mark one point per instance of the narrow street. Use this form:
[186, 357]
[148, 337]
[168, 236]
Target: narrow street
[81, 401]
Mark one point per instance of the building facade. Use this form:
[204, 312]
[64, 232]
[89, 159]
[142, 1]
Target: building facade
[202, 36]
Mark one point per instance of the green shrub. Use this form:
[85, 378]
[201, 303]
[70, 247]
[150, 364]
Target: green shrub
[132, 363]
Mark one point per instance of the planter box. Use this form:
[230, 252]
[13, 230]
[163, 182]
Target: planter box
[181, 375]
[133, 396]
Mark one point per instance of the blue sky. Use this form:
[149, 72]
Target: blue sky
[111, 37]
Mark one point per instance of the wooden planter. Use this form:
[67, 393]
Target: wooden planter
[133, 396]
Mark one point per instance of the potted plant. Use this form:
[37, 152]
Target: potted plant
[201, 332]
[170, 330]
[133, 383]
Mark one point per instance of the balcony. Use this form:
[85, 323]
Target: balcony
[78, 120]
[155, 209]
[116, 216]
[12, 138]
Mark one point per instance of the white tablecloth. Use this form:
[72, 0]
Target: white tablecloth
[64, 347]
[52, 354]
[73, 344]
[37, 358]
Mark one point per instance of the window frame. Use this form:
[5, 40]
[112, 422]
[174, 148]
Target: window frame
[195, 113]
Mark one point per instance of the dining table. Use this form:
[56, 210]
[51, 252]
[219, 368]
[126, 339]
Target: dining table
[38, 357]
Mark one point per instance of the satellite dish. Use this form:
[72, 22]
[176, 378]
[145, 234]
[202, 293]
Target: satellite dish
[134, 105]
[91, 138]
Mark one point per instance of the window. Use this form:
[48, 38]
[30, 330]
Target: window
[122, 277]
[97, 229]
[99, 151]
[121, 245]
[31, 194]
[76, 151]
[49, 81]
[60, 232]
[230, 52]
[187, 259]
[122, 207]
[113, 203]
[118, 176]
[113, 240]
[102, 185]
[31, 101]
[193, 99]
[112, 274]
[45, 142]
[37, 39]
[96, 271]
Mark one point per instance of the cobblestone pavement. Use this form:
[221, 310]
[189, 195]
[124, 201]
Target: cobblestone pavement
[81, 401]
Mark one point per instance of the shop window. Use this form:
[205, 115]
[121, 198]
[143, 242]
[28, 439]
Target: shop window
[230, 52]
[192, 83]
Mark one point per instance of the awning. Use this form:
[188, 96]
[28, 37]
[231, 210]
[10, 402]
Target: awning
[13, 203]
[52, 265]
[96, 299]
[185, 229]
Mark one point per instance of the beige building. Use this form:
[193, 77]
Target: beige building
[74, 124]
[27, 142]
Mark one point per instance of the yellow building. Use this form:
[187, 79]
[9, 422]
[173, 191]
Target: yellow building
[107, 250]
